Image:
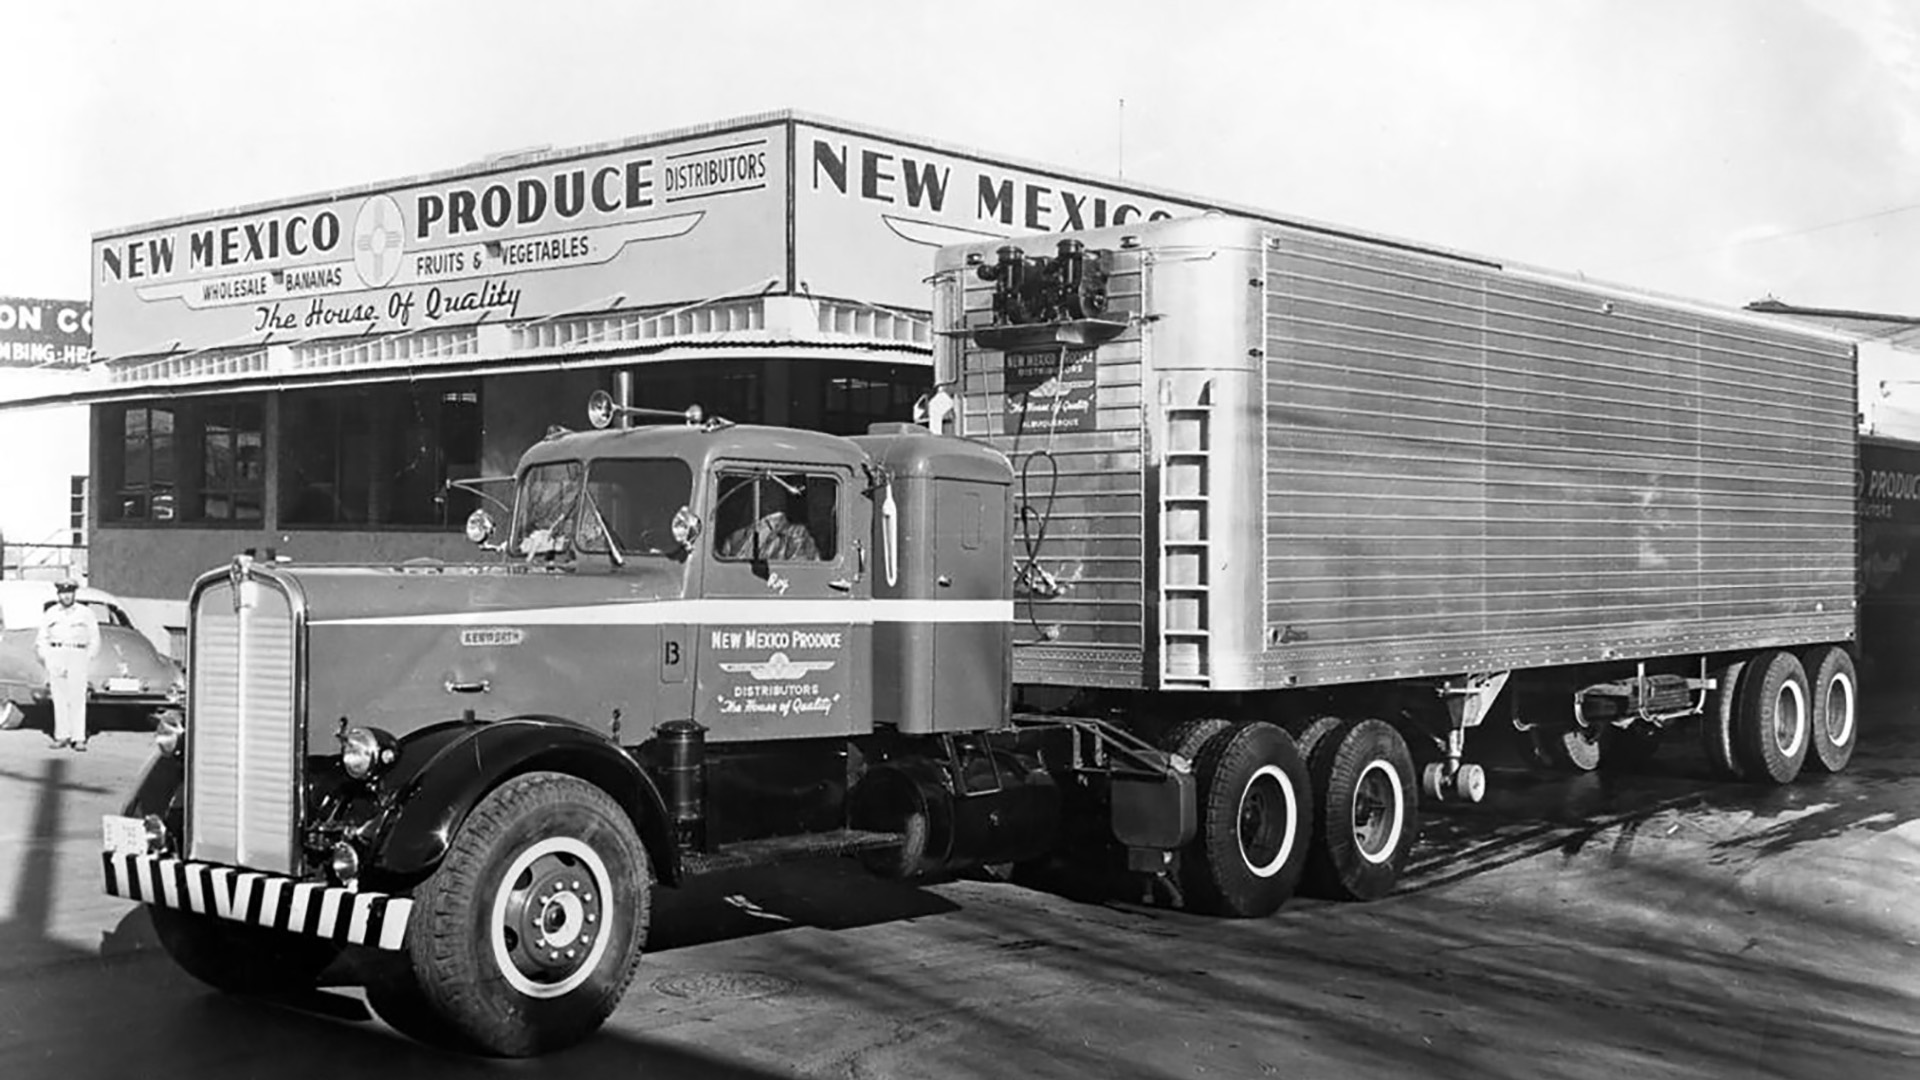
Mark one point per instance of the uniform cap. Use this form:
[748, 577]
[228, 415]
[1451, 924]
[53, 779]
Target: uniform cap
[66, 585]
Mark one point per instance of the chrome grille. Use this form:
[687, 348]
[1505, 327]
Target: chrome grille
[242, 744]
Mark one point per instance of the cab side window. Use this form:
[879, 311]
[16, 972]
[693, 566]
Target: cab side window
[767, 516]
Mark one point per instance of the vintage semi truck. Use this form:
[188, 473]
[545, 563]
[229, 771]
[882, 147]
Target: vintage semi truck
[1217, 539]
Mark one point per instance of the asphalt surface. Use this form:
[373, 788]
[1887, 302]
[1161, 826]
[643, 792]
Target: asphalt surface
[1656, 925]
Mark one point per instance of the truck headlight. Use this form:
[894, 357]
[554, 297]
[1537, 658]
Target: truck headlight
[365, 751]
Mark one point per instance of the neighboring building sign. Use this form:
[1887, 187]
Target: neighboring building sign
[45, 333]
[672, 220]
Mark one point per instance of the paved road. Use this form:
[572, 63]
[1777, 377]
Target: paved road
[1653, 926]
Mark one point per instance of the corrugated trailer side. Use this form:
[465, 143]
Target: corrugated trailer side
[1311, 460]
[1473, 469]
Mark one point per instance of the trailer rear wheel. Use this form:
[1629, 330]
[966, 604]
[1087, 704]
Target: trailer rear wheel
[1771, 725]
[1567, 747]
[1717, 723]
[1256, 823]
[1836, 706]
[1368, 810]
[1623, 749]
[528, 933]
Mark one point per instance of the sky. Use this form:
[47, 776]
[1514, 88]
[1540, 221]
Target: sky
[1725, 150]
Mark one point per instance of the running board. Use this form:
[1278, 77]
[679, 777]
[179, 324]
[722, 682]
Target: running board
[782, 849]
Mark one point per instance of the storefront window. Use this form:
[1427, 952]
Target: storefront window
[190, 462]
[232, 466]
[856, 396]
[379, 455]
[146, 456]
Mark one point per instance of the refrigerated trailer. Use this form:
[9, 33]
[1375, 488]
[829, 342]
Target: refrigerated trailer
[1339, 475]
[1214, 530]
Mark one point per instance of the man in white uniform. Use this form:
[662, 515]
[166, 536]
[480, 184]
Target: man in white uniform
[69, 637]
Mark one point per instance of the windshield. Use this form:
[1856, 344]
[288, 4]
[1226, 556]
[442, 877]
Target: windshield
[543, 521]
[631, 501]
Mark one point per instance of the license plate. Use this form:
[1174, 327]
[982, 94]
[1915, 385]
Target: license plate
[124, 835]
[121, 684]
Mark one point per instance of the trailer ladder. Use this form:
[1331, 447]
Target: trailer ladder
[1185, 640]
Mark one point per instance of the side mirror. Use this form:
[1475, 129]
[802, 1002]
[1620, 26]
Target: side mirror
[479, 527]
[686, 526]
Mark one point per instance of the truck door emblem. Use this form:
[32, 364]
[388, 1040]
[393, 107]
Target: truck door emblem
[779, 667]
[481, 636]
[778, 584]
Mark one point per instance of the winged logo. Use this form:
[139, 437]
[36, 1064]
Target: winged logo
[778, 667]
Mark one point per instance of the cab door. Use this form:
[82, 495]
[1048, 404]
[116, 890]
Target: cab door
[781, 646]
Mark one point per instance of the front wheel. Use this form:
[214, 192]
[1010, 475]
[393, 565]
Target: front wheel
[528, 933]
[1256, 821]
[241, 958]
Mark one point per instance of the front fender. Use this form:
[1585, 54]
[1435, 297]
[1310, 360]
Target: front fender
[442, 775]
[160, 789]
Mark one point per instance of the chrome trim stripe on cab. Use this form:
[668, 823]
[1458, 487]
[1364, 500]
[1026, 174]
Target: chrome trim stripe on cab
[761, 612]
[356, 917]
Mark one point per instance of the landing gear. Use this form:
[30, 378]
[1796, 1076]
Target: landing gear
[1469, 699]
[1467, 784]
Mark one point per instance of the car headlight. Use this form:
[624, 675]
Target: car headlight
[365, 751]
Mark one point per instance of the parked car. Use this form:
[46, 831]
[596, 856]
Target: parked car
[128, 670]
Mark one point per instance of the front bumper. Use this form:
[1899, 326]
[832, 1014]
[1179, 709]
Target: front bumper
[274, 901]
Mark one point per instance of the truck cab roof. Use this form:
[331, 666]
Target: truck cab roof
[700, 446]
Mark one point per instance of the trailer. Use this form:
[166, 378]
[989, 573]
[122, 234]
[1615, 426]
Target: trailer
[1336, 476]
[1214, 531]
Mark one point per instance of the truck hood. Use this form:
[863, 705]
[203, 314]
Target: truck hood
[407, 647]
[368, 595]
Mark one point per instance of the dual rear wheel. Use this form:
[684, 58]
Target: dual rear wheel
[1333, 809]
[1779, 711]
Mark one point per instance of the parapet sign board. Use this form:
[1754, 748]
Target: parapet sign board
[778, 204]
[45, 333]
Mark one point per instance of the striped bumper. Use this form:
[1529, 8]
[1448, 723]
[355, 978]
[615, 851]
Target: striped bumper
[278, 903]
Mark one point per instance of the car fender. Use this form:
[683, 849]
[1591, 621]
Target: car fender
[442, 774]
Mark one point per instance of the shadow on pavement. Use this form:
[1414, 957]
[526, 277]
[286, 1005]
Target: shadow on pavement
[1668, 968]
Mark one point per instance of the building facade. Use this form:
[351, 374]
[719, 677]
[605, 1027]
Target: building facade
[307, 376]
